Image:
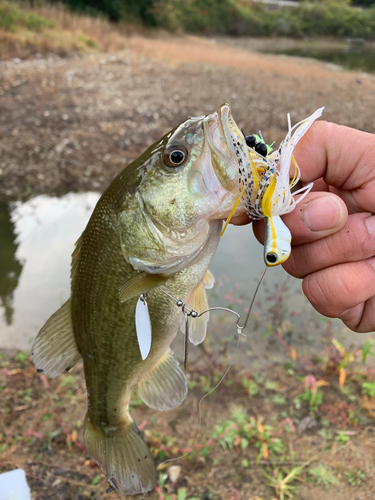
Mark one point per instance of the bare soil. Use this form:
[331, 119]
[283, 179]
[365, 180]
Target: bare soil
[73, 124]
[41, 432]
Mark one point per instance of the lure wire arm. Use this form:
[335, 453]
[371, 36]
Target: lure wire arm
[194, 314]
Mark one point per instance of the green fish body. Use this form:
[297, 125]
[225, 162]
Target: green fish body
[157, 224]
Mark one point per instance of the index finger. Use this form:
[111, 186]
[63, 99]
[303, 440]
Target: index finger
[344, 158]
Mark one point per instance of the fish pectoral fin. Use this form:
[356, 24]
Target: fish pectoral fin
[209, 280]
[55, 350]
[75, 257]
[123, 456]
[197, 326]
[165, 386]
[141, 283]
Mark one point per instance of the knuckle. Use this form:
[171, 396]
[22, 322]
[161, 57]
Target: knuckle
[353, 242]
[328, 292]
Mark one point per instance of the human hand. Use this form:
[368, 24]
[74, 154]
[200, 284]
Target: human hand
[333, 228]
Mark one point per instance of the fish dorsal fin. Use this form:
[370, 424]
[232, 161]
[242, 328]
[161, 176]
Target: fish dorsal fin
[55, 350]
[75, 256]
[197, 326]
[141, 283]
[209, 280]
[165, 386]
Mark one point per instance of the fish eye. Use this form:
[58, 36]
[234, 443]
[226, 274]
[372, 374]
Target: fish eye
[175, 156]
[271, 258]
[251, 141]
[261, 148]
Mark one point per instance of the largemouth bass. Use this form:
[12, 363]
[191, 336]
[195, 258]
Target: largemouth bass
[157, 224]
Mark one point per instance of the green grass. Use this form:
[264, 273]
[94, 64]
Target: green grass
[355, 477]
[12, 17]
[323, 475]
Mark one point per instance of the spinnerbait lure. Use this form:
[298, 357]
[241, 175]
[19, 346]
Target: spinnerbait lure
[265, 188]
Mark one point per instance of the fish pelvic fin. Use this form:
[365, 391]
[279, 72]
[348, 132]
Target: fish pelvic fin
[55, 350]
[140, 283]
[123, 456]
[165, 386]
[198, 302]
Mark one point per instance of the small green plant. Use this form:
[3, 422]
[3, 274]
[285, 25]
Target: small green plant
[270, 385]
[312, 393]
[207, 384]
[342, 438]
[25, 395]
[251, 386]
[96, 479]
[326, 435]
[279, 399]
[355, 477]
[314, 399]
[282, 483]
[191, 384]
[367, 350]
[68, 381]
[369, 388]
[182, 494]
[323, 475]
[346, 391]
[22, 356]
[243, 430]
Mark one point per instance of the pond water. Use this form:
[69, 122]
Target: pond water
[37, 238]
[359, 57]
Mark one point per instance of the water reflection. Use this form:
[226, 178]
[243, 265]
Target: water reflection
[43, 231]
[37, 238]
[10, 266]
[352, 57]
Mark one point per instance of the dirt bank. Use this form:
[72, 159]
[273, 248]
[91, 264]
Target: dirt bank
[72, 124]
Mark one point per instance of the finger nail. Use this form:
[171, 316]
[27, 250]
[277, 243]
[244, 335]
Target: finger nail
[322, 213]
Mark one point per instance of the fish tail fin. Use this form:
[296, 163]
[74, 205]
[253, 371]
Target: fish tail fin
[55, 350]
[123, 456]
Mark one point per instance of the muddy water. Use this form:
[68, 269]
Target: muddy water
[37, 238]
[349, 56]
[35, 261]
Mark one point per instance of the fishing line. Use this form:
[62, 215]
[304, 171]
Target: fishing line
[220, 381]
[194, 314]
[239, 331]
[177, 458]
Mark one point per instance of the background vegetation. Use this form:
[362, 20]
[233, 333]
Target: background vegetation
[354, 18]
[337, 18]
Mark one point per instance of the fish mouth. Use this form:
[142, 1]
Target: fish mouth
[228, 125]
[227, 145]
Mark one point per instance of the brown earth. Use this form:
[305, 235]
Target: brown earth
[72, 124]
[41, 432]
